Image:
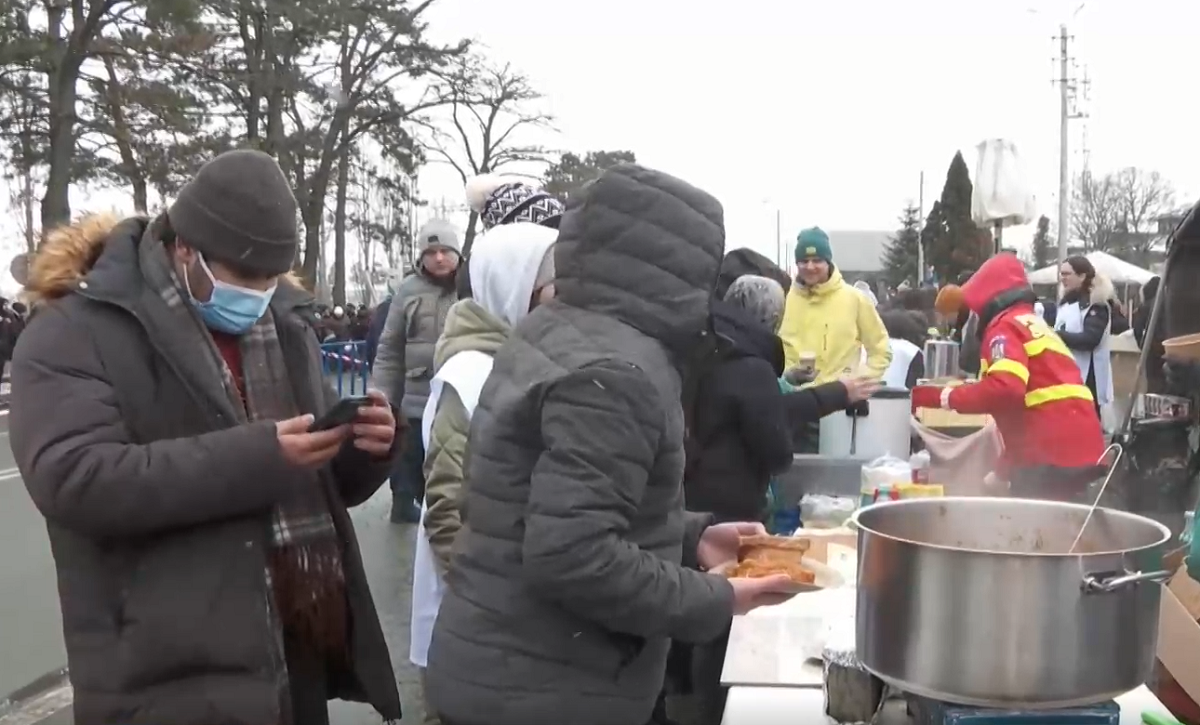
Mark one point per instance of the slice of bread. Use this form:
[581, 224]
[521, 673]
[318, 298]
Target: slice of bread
[762, 555]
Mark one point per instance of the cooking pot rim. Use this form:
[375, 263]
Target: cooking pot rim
[856, 523]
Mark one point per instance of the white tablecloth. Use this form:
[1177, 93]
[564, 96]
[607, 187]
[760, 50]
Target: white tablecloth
[806, 706]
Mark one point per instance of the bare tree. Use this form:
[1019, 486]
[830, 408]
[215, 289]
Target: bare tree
[379, 44]
[382, 205]
[1095, 211]
[485, 123]
[1142, 196]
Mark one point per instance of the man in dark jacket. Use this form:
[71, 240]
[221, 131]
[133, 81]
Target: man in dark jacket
[568, 583]
[208, 571]
[375, 329]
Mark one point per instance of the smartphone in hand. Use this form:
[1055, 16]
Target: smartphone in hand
[343, 413]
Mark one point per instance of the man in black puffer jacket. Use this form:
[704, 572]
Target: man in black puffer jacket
[569, 580]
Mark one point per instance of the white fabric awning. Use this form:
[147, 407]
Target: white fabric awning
[1117, 270]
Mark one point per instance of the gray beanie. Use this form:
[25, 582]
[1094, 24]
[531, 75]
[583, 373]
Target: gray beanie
[239, 208]
[438, 233]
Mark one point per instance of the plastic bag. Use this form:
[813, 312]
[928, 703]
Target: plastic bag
[1001, 193]
[818, 511]
[885, 469]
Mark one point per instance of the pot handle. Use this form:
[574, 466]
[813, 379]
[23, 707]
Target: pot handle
[1105, 584]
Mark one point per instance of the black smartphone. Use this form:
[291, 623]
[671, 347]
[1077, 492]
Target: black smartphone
[345, 412]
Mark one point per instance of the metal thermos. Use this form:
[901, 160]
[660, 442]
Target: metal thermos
[941, 359]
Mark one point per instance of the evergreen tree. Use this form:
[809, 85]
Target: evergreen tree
[571, 173]
[1042, 244]
[900, 257]
[954, 243]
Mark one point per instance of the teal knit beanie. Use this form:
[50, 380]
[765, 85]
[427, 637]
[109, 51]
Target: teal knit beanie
[813, 242]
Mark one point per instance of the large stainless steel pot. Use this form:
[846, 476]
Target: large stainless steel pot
[975, 600]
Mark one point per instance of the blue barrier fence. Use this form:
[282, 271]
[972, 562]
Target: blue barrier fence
[346, 363]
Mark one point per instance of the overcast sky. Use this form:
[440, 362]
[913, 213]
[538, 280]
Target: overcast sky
[829, 111]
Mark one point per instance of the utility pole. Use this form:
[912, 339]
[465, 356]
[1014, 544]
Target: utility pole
[1066, 88]
[921, 228]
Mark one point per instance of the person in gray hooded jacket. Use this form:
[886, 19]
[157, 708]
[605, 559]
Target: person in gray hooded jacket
[404, 359]
[569, 577]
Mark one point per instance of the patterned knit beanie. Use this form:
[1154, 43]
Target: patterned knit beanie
[503, 200]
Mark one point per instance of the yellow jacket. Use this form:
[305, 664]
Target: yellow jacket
[837, 322]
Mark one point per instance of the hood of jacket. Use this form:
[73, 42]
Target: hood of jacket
[644, 248]
[503, 271]
[469, 327]
[1001, 277]
[1000, 283]
[746, 336]
[504, 266]
[865, 289]
[102, 249]
[823, 289]
[743, 261]
[1102, 290]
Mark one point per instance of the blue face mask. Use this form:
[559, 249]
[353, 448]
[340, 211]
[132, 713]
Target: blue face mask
[230, 309]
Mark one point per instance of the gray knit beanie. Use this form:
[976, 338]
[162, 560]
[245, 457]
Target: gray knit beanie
[438, 233]
[239, 208]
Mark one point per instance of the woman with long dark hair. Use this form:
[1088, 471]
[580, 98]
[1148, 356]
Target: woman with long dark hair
[1084, 323]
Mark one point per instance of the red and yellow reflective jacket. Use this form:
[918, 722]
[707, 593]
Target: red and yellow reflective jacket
[1029, 383]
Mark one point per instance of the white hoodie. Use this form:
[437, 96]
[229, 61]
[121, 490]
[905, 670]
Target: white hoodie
[504, 268]
[505, 264]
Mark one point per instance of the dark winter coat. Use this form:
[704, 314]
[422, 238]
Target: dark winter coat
[1155, 376]
[158, 504]
[742, 427]
[567, 585]
[375, 329]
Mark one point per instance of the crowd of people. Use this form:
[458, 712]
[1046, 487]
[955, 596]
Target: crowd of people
[582, 417]
[338, 323]
[13, 315]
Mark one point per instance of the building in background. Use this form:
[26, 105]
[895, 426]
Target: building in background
[859, 254]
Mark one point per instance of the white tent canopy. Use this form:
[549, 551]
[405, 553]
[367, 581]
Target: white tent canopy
[1117, 270]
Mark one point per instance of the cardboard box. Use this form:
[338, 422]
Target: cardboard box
[1179, 641]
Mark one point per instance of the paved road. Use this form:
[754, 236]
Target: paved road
[30, 626]
[29, 621]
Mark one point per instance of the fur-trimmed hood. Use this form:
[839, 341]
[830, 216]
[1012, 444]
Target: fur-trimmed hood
[69, 252]
[1102, 289]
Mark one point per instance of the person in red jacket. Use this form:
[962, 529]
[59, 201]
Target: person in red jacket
[1030, 385]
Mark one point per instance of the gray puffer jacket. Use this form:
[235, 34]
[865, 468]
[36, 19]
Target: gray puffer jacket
[568, 580]
[404, 359]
